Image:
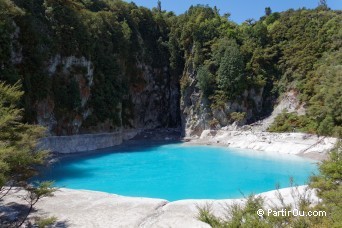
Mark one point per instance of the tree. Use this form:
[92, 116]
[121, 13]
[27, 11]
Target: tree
[250, 21]
[18, 150]
[206, 81]
[323, 4]
[159, 6]
[268, 11]
[326, 127]
[230, 72]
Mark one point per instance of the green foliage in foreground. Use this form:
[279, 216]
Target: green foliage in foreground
[18, 140]
[329, 188]
[19, 156]
[329, 185]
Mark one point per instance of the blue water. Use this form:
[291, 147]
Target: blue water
[178, 171]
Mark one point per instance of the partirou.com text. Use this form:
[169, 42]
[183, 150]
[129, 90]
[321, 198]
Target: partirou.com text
[293, 212]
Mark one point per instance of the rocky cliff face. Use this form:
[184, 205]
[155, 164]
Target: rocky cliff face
[87, 67]
[150, 103]
[195, 110]
[198, 113]
[152, 99]
[84, 72]
[155, 100]
[65, 68]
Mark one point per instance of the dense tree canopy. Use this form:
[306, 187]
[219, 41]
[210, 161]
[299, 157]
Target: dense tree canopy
[230, 73]
[295, 49]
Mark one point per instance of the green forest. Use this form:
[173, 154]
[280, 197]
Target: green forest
[88, 62]
[297, 50]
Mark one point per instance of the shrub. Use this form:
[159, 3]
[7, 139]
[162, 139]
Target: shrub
[326, 127]
[291, 122]
[184, 83]
[214, 123]
[206, 81]
[238, 116]
[230, 73]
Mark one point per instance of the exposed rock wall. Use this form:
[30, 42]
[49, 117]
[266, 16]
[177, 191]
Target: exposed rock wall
[151, 100]
[155, 102]
[289, 102]
[198, 114]
[79, 82]
[15, 46]
[85, 142]
[66, 67]
[79, 143]
[195, 112]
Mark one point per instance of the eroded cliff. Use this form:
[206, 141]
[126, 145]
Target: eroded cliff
[103, 66]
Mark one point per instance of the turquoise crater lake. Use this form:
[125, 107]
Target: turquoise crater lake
[178, 171]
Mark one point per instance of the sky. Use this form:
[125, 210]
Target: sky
[240, 10]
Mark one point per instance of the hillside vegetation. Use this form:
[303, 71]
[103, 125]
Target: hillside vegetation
[224, 72]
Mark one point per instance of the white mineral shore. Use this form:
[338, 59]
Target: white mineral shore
[306, 145]
[81, 208]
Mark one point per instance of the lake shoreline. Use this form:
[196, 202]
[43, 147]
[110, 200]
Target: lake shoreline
[300, 144]
[99, 209]
[88, 208]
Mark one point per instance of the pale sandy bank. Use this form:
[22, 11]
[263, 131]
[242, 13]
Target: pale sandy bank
[306, 145]
[76, 208]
